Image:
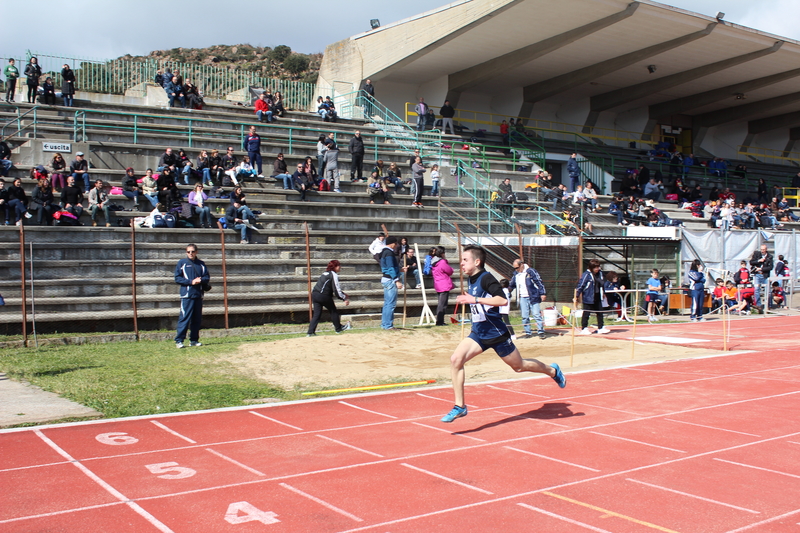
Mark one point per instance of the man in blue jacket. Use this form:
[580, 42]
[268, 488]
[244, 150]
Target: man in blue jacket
[574, 172]
[530, 293]
[175, 90]
[390, 279]
[252, 144]
[192, 275]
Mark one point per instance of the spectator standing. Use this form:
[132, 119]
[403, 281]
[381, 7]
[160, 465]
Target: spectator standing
[68, 86]
[356, 149]
[504, 132]
[199, 202]
[574, 172]
[322, 296]
[421, 109]
[193, 277]
[447, 113]
[252, 145]
[697, 285]
[442, 282]
[418, 172]
[11, 72]
[98, 201]
[377, 246]
[762, 263]
[390, 280]
[79, 168]
[653, 295]
[530, 293]
[369, 89]
[590, 291]
[332, 165]
[435, 180]
[33, 72]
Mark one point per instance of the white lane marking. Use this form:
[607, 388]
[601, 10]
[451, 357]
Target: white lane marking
[234, 461]
[767, 521]
[276, 421]
[168, 430]
[551, 459]
[448, 431]
[33, 466]
[636, 442]
[564, 518]
[111, 490]
[65, 511]
[367, 410]
[428, 472]
[443, 400]
[533, 418]
[692, 496]
[517, 392]
[712, 427]
[321, 502]
[757, 468]
[350, 446]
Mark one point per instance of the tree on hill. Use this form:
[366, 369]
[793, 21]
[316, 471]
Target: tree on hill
[280, 53]
[296, 64]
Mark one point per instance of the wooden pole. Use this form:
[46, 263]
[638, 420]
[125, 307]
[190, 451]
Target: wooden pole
[133, 282]
[224, 274]
[405, 286]
[22, 281]
[460, 278]
[308, 272]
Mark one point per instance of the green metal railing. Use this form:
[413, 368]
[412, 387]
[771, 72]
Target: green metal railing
[127, 76]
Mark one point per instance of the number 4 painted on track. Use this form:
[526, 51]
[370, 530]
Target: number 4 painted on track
[251, 514]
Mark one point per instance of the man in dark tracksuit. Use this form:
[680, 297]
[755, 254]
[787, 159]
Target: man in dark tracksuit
[356, 148]
[252, 144]
[192, 275]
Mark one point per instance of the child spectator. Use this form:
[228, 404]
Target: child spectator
[653, 296]
[717, 295]
[435, 186]
[733, 299]
[742, 276]
[778, 299]
[615, 300]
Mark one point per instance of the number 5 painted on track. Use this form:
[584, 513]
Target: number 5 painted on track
[250, 514]
[116, 439]
[178, 472]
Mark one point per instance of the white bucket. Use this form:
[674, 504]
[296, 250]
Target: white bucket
[550, 317]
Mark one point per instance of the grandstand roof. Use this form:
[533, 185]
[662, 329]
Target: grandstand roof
[587, 53]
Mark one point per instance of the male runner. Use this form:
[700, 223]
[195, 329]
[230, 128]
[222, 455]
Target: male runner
[484, 297]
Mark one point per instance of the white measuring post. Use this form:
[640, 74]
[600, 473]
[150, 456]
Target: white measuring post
[427, 317]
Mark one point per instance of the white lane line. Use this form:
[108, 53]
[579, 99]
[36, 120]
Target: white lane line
[712, 427]
[55, 513]
[757, 468]
[448, 431]
[321, 502]
[33, 466]
[367, 410]
[636, 442]
[563, 518]
[443, 400]
[517, 392]
[767, 521]
[792, 442]
[111, 490]
[692, 496]
[428, 472]
[551, 459]
[234, 461]
[168, 430]
[350, 446]
[276, 421]
[533, 418]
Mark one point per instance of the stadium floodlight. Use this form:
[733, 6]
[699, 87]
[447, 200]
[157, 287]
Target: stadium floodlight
[720, 16]
[651, 68]
[375, 23]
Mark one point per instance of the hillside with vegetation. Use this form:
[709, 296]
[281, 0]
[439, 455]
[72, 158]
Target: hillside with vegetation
[280, 62]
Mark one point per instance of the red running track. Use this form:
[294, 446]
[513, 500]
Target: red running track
[702, 445]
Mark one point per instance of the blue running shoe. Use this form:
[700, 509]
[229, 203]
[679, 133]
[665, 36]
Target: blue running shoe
[559, 377]
[455, 412]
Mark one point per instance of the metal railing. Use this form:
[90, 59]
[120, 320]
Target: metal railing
[116, 76]
[780, 157]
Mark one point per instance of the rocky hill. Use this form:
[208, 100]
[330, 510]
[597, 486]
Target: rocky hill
[279, 62]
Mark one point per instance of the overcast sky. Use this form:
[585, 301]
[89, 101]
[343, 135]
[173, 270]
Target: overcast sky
[106, 29]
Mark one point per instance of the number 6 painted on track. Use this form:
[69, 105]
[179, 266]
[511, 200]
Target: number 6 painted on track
[251, 514]
[179, 472]
[116, 439]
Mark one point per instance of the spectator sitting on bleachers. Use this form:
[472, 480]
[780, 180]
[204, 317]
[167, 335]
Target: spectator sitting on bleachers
[578, 197]
[277, 105]
[57, 169]
[38, 173]
[159, 78]
[166, 77]
[79, 168]
[185, 164]
[149, 187]
[165, 181]
[617, 208]
[243, 171]
[48, 92]
[198, 200]
[697, 193]
[652, 190]
[235, 220]
[590, 193]
[741, 170]
[175, 91]
[688, 163]
[376, 188]
[4, 209]
[44, 203]
[733, 299]
[767, 217]
[72, 198]
[130, 188]
[393, 176]
[263, 110]
[193, 98]
[302, 182]
[786, 211]
[778, 296]
[726, 194]
[204, 168]
[323, 110]
[229, 164]
[311, 173]
[717, 294]
[216, 170]
[281, 173]
[630, 184]
[560, 197]
[168, 159]
[5, 158]
[98, 201]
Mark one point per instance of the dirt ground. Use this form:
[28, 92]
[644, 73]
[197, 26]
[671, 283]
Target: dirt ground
[355, 359]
